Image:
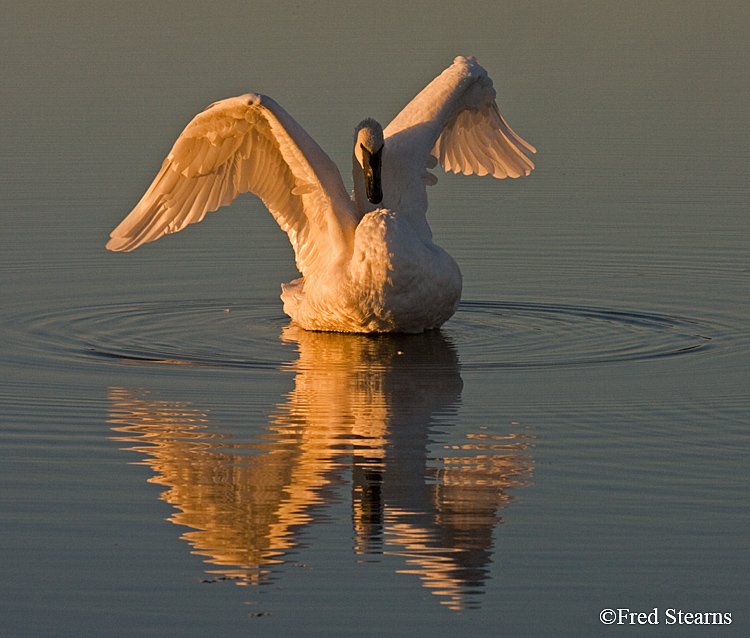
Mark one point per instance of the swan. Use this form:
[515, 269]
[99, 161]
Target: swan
[367, 260]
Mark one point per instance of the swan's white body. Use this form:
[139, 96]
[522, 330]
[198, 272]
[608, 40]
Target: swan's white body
[366, 267]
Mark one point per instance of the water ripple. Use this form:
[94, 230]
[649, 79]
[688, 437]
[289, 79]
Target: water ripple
[525, 335]
[485, 334]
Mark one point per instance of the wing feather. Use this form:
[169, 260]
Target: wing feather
[247, 144]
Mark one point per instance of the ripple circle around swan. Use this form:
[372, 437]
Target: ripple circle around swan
[247, 335]
[523, 335]
[212, 333]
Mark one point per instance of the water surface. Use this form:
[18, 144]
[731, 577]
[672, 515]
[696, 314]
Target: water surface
[179, 460]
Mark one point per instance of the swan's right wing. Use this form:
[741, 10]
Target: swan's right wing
[456, 120]
[241, 144]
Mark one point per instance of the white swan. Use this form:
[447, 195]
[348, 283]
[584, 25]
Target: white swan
[368, 262]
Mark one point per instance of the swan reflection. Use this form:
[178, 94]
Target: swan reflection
[375, 413]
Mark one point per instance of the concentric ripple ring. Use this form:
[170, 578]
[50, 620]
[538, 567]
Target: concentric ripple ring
[486, 334]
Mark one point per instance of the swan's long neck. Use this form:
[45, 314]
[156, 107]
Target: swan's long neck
[366, 165]
[375, 179]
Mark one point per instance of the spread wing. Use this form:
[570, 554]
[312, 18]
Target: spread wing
[241, 144]
[456, 120]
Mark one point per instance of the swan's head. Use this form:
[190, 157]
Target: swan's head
[368, 151]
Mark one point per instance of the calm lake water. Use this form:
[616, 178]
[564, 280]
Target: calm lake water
[177, 460]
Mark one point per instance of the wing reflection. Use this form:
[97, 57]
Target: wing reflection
[375, 412]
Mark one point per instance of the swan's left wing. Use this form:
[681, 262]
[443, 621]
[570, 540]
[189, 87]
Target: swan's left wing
[241, 144]
[456, 120]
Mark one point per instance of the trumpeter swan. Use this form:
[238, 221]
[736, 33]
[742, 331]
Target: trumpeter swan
[368, 262]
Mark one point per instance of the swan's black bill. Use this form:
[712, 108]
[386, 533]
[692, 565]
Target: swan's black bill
[371, 165]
